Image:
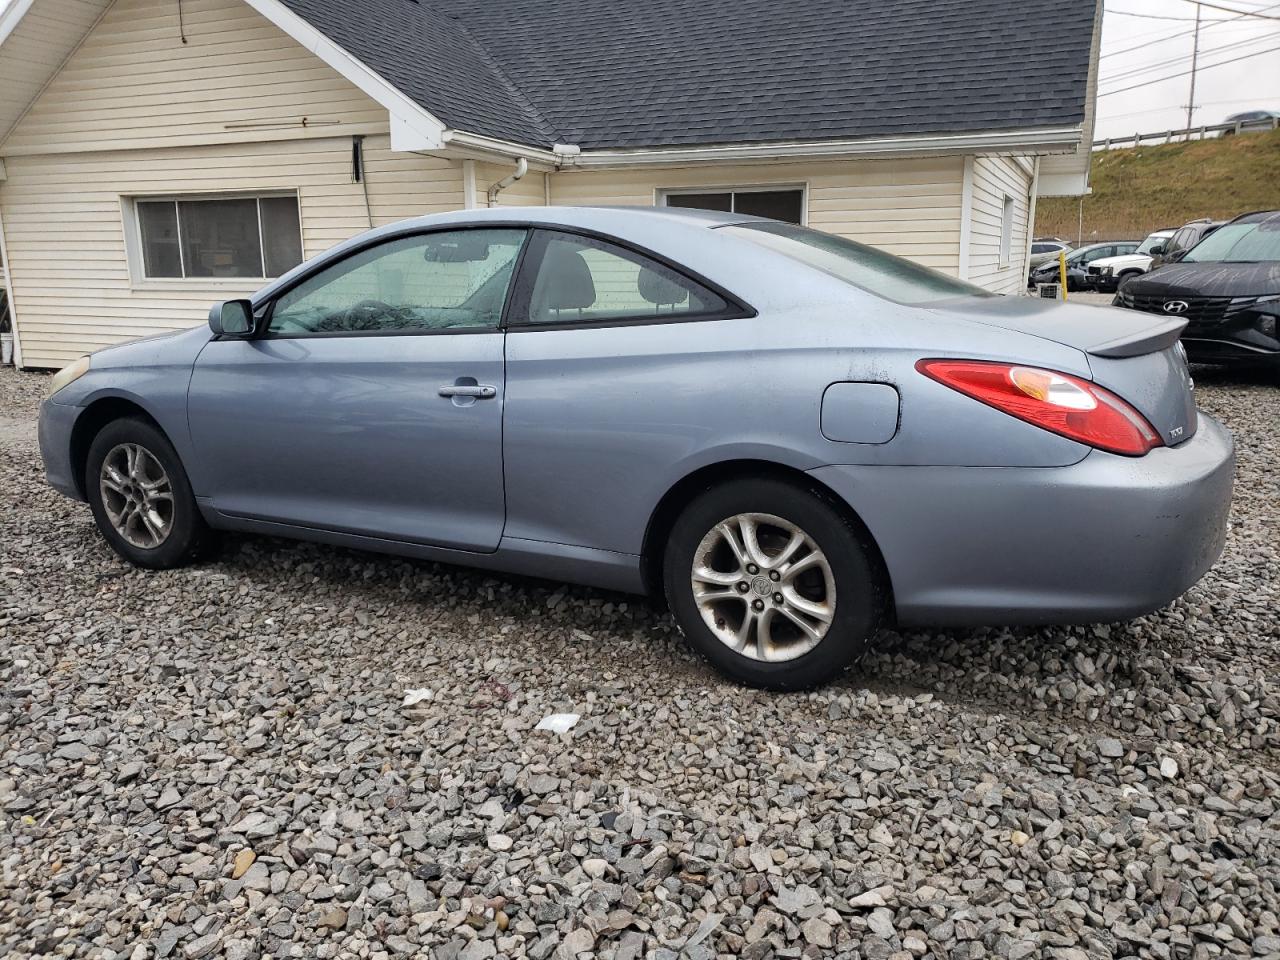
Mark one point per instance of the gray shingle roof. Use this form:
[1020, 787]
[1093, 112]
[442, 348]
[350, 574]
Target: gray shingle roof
[622, 74]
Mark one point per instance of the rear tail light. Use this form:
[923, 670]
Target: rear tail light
[1057, 402]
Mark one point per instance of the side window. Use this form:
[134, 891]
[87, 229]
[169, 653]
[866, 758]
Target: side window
[1098, 254]
[584, 279]
[1181, 240]
[1125, 249]
[434, 281]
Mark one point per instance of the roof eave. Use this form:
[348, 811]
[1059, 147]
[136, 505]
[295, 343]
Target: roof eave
[1037, 141]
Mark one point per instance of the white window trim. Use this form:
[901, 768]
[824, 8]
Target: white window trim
[138, 279]
[662, 193]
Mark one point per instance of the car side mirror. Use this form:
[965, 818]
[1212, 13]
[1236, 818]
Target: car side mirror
[1157, 250]
[232, 318]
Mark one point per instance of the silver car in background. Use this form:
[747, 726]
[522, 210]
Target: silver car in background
[788, 436]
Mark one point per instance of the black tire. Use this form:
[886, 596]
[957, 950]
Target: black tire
[187, 536]
[853, 561]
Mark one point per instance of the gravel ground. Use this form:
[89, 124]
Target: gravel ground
[217, 762]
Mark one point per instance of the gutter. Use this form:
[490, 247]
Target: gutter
[1048, 140]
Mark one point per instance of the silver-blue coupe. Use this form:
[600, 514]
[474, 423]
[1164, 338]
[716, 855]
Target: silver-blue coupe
[787, 436]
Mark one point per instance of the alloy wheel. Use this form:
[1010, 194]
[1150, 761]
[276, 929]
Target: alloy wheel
[137, 495]
[763, 587]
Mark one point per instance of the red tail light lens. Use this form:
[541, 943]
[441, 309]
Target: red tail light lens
[1057, 402]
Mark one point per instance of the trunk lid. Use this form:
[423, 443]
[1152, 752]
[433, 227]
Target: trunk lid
[1135, 355]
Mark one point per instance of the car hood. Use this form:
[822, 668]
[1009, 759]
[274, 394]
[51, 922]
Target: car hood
[1209, 280]
[1127, 260]
[174, 346]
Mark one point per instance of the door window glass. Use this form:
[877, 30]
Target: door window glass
[435, 281]
[581, 279]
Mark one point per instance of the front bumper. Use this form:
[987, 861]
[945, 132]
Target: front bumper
[1108, 538]
[56, 423]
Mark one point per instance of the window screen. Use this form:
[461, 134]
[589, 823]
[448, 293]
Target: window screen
[251, 237]
[784, 205]
[582, 279]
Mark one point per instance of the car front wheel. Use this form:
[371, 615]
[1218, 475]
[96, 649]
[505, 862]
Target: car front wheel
[772, 583]
[140, 496]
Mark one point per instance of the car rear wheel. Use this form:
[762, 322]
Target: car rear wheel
[141, 498]
[772, 583]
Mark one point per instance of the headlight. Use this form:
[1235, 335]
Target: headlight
[1105, 271]
[68, 375]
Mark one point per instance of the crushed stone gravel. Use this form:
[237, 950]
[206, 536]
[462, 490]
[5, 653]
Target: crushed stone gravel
[220, 762]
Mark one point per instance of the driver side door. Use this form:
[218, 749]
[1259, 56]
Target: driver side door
[371, 403]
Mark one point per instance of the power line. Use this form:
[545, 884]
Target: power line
[1242, 13]
[1174, 76]
[1186, 58]
[1181, 33]
[1157, 16]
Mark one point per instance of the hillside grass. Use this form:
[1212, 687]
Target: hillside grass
[1145, 188]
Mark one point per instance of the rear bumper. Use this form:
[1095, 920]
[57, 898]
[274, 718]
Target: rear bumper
[1108, 538]
[56, 423]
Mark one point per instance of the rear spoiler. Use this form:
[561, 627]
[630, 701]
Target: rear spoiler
[1159, 336]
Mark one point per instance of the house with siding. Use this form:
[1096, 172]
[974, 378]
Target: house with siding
[159, 155]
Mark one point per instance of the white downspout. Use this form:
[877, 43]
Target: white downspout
[522, 167]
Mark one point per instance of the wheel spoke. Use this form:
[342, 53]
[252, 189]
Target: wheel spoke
[813, 632]
[730, 536]
[751, 541]
[807, 562]
[705, 574]
[787, 552]
[809, 608]
[716, 595]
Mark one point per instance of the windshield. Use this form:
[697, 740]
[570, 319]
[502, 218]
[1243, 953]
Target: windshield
[856, 263]
[1152, 241]
[1238, 243]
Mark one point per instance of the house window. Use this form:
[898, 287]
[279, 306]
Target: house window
[1006, 232]
[252, 237]
[785, 204]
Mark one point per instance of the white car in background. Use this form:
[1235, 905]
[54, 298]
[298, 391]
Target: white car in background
[1106, 275]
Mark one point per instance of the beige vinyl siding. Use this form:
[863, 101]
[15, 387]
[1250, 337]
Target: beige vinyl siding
[65, 227]
[37, 45]
[238, 78]
[995, 178]
[907, 207]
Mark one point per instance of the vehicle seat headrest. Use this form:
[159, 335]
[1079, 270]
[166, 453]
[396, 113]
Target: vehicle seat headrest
[566, 280]
[659, 290]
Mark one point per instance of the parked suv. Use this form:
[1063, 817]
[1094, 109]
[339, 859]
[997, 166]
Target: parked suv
[1227, 288]
[1107, 274]
[1078, 261]
[1186, 237]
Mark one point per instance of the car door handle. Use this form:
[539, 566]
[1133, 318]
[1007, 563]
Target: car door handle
[478, 391]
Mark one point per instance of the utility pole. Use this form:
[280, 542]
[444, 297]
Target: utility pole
[1195, 62]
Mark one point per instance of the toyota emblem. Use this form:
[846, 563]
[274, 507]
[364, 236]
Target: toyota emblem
[1176, 306]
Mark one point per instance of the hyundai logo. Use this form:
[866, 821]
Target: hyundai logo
[1176, 306]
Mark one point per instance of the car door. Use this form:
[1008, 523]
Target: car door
[371, 401]
[598, 334]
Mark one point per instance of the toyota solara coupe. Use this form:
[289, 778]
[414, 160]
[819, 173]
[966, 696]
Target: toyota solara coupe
[788, 436]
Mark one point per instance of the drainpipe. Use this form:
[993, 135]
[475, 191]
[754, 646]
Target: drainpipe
[522, 167]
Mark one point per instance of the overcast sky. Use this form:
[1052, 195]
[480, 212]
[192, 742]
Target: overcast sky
[1140, 49]
[1151, 40]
